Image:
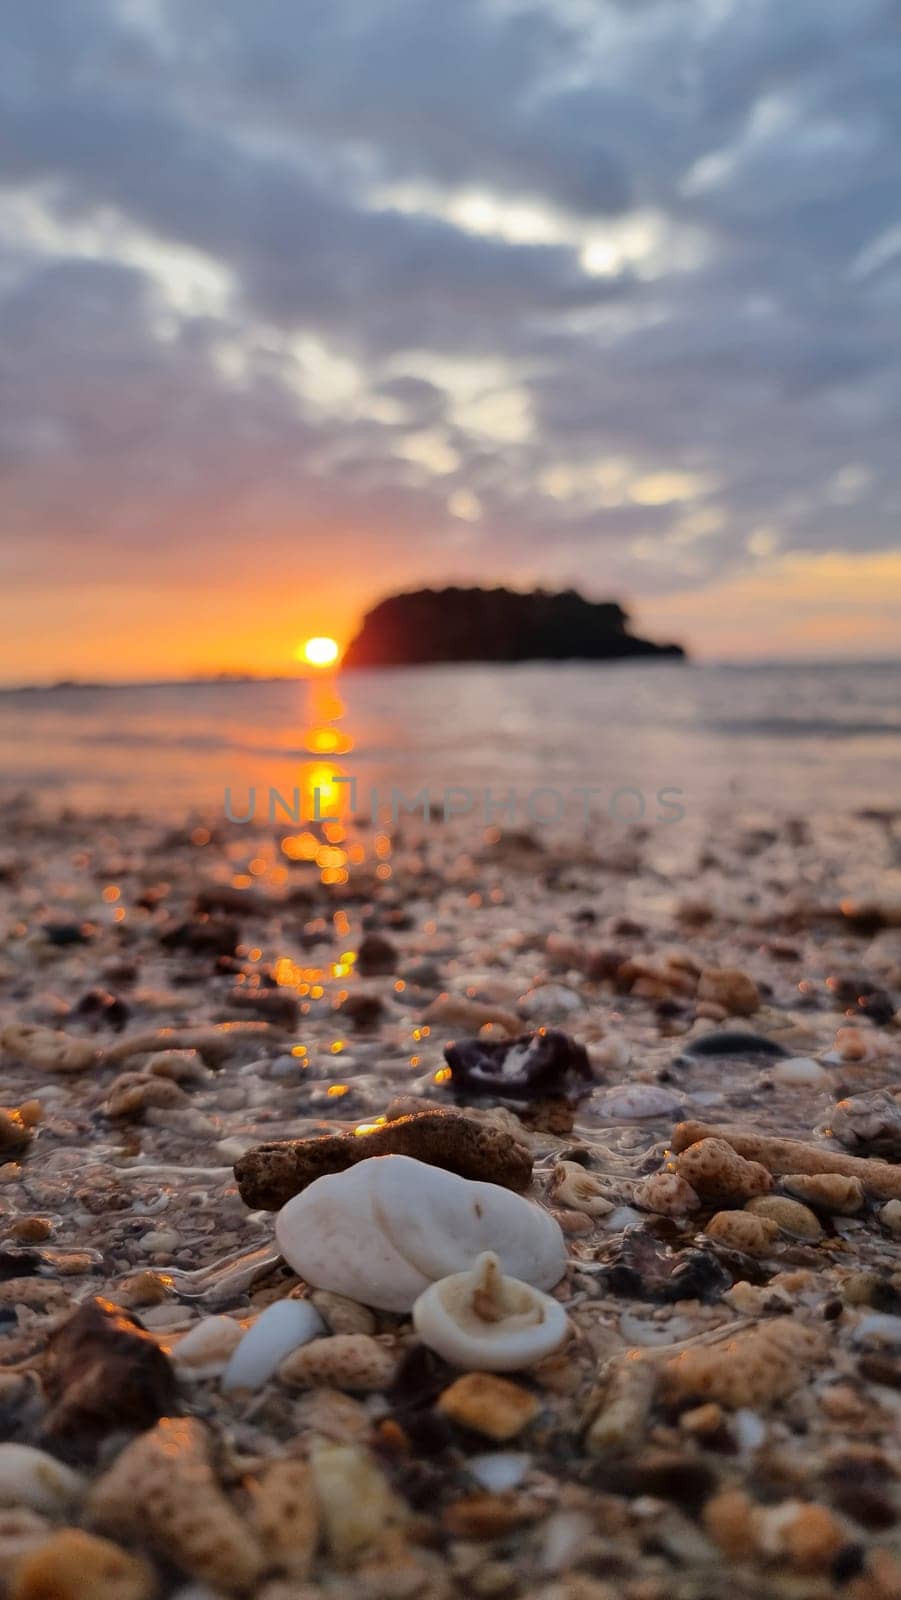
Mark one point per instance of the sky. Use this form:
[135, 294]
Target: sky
[306, 301]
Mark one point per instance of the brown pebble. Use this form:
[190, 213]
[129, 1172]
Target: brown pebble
[162, 1490]
[730, 988]
[31, 1230]
[15, 1133]
[269, 1175]
[780, 1156]
[738, 1230]
[790, 1216]
[712, 1167]
[72, 1565]
[103, 1372]
[752, 1368]
[489, 1405]
[286, 1514]
[489, 1516]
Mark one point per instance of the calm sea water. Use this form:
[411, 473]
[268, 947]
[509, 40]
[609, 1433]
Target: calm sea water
[810, 739]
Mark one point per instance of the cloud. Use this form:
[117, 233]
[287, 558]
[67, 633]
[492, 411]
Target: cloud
[609, 293]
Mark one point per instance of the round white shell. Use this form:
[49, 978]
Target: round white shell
[520, 1325]
[385, 1229]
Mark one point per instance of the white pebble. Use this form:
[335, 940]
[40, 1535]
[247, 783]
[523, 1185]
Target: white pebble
[879, 1328]
[800, 1070]
[30, 1477]
[498, 1470]
[281, 1328]
[564, 1538]
[623, 1217]
[628, 1102]
[749, 1429]
[550, 1000]
[205, 1350]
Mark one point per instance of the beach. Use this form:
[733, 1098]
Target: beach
[690, 873]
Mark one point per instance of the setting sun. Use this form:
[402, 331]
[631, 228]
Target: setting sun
[319, 652]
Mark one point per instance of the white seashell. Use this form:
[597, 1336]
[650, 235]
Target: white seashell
[205, 1349]
[572, 1186]
[30, 1477]
[277, 1331]
[483, 1321]
[386, 1228]
[628, 1102]
[498, 1470]
[800, 1070]
[550, 1000]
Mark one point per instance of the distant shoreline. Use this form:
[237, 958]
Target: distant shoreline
[240, 680]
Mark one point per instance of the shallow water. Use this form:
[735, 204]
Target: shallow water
[812, 739]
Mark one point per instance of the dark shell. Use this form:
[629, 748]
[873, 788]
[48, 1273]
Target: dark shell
[543, 1065]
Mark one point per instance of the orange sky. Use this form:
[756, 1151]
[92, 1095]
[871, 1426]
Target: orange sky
[813, 606]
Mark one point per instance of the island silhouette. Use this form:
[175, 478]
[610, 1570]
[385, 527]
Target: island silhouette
[428, 626]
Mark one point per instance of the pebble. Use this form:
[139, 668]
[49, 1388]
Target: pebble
[870, 1122]
[879, 1178]
[47, 1049]
[531, 1066]
[103, 1372]
[358, 1505]
[878, 1329]
[712, 1167]
[549, 1000]
[753, 1368]
[738, 1230]
[492, 1406]
[890, 1217]
[280, 1329]
[73, 1565]
[790, 1216]
[804, 1534]
[730, 988]
[162, 1490]
[355, 1362]
[270, 1175]
[630, 1102]
[341, 1314]
[802, 1071]
[30, 1477]
[15, 1133]
[627, 1393]
[484, 1320]
[204, 1351]
[830, 1191]
[455, 1011]
[385, 1229]
[666, 1194]
[499, 1470]
[286, 1515]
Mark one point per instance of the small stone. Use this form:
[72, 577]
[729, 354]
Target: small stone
[627, 1393]
[850, 1044]
[729, 1520]
[488, 1516]
[204, 1351]
[355, 1362]
[102, 1372]
[341, 1314]
[730, 988]
[712, 1167]
[703, 1422]
[492, 1406]
[376, 956]
[15, 1134]
[456, 1011]
[47, 1049]
[29, 1477]
[665, 1193]
[790, 1216]
[800, 1071]
[754, 1367]
[358, 1506]
[831, 1191]
[804, 1534]
[738, 1230]
[286, 1515]
[270, 1175]
[162, 1490]
[133, 1093]
[72, 1565]
[31, 1230]
[890, 1217]
[281, 1329]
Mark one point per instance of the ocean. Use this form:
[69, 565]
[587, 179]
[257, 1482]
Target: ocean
[516, 745]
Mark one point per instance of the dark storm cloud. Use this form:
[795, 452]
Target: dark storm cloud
[742, 160]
